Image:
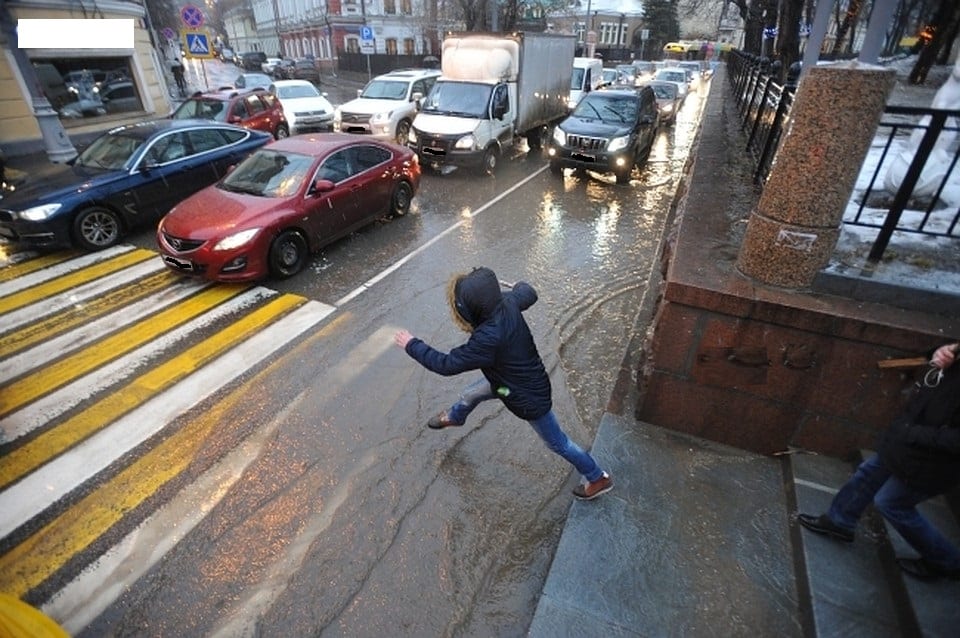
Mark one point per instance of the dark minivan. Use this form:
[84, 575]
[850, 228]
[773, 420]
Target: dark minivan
[610, 131]
[251, 60]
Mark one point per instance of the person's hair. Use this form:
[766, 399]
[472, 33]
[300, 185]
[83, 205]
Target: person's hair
[461, 323]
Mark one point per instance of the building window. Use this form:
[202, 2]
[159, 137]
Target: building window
[390, 7]
[353, 45]
[406, 7]
[391, 46]
[409, 46]
[82, 88]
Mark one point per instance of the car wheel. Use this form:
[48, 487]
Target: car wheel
[97, 228]
[288, 254]
[403, 130]
[402, 196]
[281, 132]
[490, 158]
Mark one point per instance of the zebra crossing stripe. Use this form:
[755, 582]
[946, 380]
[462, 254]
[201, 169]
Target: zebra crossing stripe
[39, 556]
[39, 276]
[19, 269]
[80, 313]
[60, 284]
[32, 386]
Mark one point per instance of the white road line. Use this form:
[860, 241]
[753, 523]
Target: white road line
[815, 486]
[78, 295]
[396, 265]
[56, 347]
[44, 487]
[58, 270]
[49, 407]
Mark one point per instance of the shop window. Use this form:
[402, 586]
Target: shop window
[82, 88]
[353, 45]
[390, 7]
[409, 46]
[391, 46]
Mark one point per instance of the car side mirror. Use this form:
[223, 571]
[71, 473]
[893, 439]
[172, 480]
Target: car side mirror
[359, 92]
[416, 97]
[323, 186]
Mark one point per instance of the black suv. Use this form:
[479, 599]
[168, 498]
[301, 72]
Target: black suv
[251, 60]
[610, 131]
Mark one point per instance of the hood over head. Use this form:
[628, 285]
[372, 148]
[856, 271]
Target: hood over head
[474, 297]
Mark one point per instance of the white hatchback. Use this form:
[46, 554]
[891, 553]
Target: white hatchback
[676, 75]
[306, 109]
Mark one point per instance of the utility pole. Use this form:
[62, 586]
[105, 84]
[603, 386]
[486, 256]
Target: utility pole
[58, 146]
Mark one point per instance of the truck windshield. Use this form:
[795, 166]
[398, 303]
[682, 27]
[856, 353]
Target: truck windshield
[459, 99]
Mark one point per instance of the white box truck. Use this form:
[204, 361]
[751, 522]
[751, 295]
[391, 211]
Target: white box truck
[494, 90]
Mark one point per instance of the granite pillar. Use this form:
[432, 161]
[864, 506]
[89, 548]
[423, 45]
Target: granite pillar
[795, 227]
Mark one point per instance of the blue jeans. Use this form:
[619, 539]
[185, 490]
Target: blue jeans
[546, 426]
[897, 502]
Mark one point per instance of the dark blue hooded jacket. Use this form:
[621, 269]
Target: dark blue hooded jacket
[500, 344]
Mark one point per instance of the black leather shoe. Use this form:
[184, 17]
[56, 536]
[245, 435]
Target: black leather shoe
[823, 525]
[925, 570]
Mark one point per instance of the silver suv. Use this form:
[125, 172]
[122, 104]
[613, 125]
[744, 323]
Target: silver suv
[385, 108]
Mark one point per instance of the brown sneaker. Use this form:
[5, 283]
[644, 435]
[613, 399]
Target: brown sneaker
[588, 491]
[441, 421]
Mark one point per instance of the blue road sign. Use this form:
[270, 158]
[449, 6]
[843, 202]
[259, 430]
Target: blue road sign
[366, 33]
[198, 44]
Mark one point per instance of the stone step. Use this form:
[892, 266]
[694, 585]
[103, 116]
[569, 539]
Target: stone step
[857, 589]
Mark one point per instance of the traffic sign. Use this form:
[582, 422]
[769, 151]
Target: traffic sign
[366, 33]
[367, 46]
[191, 16]
[198, 44]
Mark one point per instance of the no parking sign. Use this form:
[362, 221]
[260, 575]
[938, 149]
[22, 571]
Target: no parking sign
[191, 16]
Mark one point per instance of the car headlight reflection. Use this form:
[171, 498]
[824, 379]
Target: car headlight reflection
[465, 142]
[40, 213]
[230, 242]
[618, 143]
[559, 136]
[381, 118]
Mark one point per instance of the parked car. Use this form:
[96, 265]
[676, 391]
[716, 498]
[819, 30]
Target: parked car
[676, 75]
[645, 70]
[305, 69]
[611, 130]
[251, 60]
[610, 77]
[306, 109]
[284, 70]
[252, 81]
[668, 99]
[386, 106]
[629, 73]
[284, 202]
[256, 109]
[128, 177]
[268, 66]
[119, 97]
[226, 54]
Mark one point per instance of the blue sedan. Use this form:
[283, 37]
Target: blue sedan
[128, 177]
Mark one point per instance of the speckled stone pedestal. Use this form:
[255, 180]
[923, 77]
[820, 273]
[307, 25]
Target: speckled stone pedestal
[795, 227]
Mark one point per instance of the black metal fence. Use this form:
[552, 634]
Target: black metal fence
[909, 181]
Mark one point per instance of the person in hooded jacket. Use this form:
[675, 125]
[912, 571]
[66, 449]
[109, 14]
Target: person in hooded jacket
[502, 348]
[917, 459]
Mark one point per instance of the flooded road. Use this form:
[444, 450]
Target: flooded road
[329, 509]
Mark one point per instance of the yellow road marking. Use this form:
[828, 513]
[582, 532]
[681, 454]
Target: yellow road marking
[32, 265]
[57, 374]
[52, 443]
[72, 280]
[69, 318]
[44, 553]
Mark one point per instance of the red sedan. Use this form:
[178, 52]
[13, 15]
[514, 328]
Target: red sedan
[284, 202]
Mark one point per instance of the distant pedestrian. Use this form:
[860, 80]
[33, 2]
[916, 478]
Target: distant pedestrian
[177, 68]
[918, 458]
[502, 348]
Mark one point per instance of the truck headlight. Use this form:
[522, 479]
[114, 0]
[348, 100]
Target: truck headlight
[412, 136]
[466, 142]
[618, 143]
[559, 136]
[39, 213]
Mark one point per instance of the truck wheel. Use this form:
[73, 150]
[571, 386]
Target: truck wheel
[403, 130]
[490, 158]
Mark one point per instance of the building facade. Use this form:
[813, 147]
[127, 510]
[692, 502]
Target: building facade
[88, 89]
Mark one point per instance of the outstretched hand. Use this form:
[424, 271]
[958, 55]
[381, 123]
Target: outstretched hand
[402, 338]
[945, 356]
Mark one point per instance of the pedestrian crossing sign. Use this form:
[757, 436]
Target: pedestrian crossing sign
[198, 45]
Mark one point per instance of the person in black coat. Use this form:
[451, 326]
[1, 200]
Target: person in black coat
[502, 348]
[918, 458]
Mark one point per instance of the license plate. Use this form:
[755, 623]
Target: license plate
[583, 157]
[179, 264]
